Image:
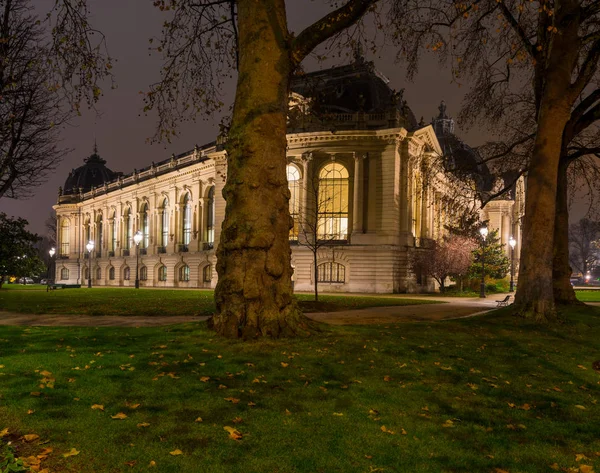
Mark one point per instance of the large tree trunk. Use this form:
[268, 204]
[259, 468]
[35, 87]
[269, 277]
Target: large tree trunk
[254, 293]
[561, 269]
[535, 295]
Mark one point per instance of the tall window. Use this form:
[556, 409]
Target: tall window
[293, 177]
[126, 273]
[162, 273]
[64, 274]
[145, 225]
[333, 203]
[184, 273]
[113, 233]
[331, 272]
[128, 228]
[86, 273]
[98, 273]
[88, 231]
[143, 273]
[164, 236]
[207, 273]
[187, 220]
[65, 228]
[111, 273]
[210, 216]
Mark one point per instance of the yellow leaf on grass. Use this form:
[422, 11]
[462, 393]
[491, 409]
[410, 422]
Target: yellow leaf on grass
[232, 400]
[579, 406]
[71, 453]
[525, 407]
[31, 437]
[143, 424]
[582, 367]
[387, 378]
[133, 406]
[233, 433]
[252, 404]
[285, 365]
[198, 419]
[500, 470]
[152, 463]
[448, 423]
[555, 466]
[586, 469]
[204, 379]
[120, 415]
[580, 456]
[97, 407]
[4, 432]
[36, 394]
[176, 452]
[30, 411]
[339, 414]
[46, 374]
[387, 431]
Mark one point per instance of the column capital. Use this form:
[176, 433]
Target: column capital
[360, 156]
[306, 157]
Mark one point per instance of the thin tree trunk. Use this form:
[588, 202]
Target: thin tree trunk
[254, 293]
[561, 269]
[535, 291]
[316, 273]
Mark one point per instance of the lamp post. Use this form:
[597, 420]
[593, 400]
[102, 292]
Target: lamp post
[137, 238]
[484, 234]
[51, 252]
[90, 247]
[512, 242]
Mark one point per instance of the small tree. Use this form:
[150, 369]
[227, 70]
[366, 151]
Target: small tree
[18, 254]
[496, 262]
[450, 259]
[582, 252]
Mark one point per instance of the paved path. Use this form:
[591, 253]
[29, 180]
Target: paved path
[454, 307]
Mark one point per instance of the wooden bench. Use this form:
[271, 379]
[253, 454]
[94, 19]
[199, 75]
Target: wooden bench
[503, 302]
[64, 286]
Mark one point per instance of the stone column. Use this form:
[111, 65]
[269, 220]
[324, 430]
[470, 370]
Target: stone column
[425, 214]
[358, 198]
[308, 184]
[506, 232]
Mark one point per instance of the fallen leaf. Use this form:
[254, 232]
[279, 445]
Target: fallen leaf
[500, 470]
[198, 419]
[45, 374]
[30, 411]
[71, 453]
[120, 415]
[586, 469]
[35, 394]
[579, 406]
[152, 463]
[448, 423]
[558, 390]
[387, 378]
[232, 400]
[403, 432]
[387, 431]
[143, 424]
[582, 367]
[4, 432]
[176, 452]
[555, 466]
[233, 433]
[525, 407]
[285, 365]
[133, 406]
[252, 404]
[31, 437]
[339, 414]
[97, 407]
[580, 456]
[204, 379]
[131, 463]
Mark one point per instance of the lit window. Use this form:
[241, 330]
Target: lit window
[164, 236]
[65, 228]
[145, 226]
[143, 273]
[333, 203]
[210, 217]
[293, 177]
[111, 273]
[184, 273]
[162, 273]
[187, 220]
[331, 272]
[126, 273]
[64, 273]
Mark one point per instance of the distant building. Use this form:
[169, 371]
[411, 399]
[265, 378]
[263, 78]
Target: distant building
[358, 163]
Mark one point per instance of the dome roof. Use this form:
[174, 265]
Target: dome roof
[93, 173]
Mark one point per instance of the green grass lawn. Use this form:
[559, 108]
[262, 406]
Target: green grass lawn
[152, 302]
[588, 295]
[485, 394]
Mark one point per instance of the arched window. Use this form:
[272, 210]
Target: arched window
[86, 273]
[111, 273]
[98, 273]
[331, 272]
[187, 220]
[164, 234]
[65, 230]
[128, 229]
[162, 273]
[113, 233]
[126, 273]
[184, 273]
[293, 177]
[207, 273]
[88, 231]
[64, 274]
[210, 217]
[145, 220]
[99, 236]
[143, 273]
[333, 203]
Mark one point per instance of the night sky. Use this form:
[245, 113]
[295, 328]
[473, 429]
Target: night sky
[122, 131]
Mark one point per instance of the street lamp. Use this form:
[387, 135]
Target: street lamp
[51, 252]
[137, 238]
[484, 233]
[512, 242]
[90, 248]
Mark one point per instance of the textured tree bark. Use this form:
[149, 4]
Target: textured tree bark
[564, 294]
[254, 292]
[535, 292]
